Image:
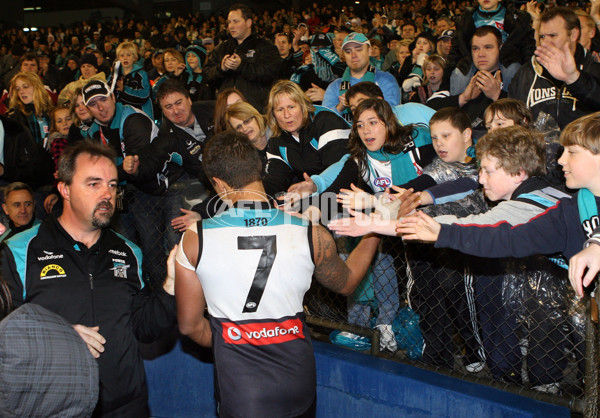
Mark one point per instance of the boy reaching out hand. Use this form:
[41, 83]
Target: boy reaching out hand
[562, 228]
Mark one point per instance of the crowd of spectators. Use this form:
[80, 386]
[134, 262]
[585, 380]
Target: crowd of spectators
[310, 88]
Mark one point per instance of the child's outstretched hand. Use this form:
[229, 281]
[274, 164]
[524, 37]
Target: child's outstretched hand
[410, 200]
[356, 198]
[419, 227]
[356, 226]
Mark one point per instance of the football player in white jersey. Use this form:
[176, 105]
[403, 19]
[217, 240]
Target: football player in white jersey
[251, 266]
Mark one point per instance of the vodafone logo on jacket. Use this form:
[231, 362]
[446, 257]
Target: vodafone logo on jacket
[263, 333]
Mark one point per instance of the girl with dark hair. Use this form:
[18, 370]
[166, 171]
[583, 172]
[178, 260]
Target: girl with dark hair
[381, 153]
[437, 285]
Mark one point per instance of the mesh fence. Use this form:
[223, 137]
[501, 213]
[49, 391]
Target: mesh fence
[511, 323]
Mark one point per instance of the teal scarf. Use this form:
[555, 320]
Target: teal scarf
[586, 203]
[345, 85]
[403, 169]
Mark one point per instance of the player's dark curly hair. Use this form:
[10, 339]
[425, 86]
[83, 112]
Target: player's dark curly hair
[231, 157]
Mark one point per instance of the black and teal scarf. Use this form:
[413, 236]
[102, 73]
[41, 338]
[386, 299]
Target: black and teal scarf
[345, 85]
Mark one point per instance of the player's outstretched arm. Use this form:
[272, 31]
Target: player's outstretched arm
[331, 271]
[190, 295]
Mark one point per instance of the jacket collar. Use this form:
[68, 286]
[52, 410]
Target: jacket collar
[529, 185]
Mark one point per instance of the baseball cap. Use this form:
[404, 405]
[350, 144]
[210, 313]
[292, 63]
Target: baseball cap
[207, 41]
[95, 88]
[356, 38]
[448, 33]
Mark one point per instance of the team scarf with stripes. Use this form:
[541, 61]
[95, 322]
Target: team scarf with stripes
[345, 85]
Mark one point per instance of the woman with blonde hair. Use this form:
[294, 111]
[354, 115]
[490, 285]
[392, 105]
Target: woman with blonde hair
[244, 118]
[306, 138]
[31, 105]
[423, 47]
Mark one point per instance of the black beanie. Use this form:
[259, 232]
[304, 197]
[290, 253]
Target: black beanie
[89, 59]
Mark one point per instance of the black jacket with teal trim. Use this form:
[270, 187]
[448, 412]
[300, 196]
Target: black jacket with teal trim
[100, 286]
[322, 142]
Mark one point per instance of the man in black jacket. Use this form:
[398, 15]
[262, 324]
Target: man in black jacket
[487, 80]
[176, 154]
[185, 128]
[562, 80]
[244, 61]
[75, 266]
[518, 41]
[127, 131]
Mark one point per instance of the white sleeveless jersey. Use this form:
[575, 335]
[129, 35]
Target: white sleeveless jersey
[262, 251]
[255, 267]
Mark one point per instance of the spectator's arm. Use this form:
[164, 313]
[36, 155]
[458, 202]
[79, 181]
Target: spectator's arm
[137, 133]
[586, 89]
[140, 95]
[212, 68]
[331, 98]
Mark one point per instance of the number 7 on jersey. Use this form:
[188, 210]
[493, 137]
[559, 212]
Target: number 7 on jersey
[268, 244]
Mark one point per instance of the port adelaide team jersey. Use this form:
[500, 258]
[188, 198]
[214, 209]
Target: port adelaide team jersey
[255, 266]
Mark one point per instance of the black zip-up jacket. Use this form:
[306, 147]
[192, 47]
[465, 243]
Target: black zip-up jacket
[259, 69]
[518, 48]
[322, 142]
[21, 154]
[45, 166]
[175, 152]
[100, 286]
[475, 108]
[534, 86]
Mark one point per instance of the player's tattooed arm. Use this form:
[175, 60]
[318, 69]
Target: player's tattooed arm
[331, 271]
